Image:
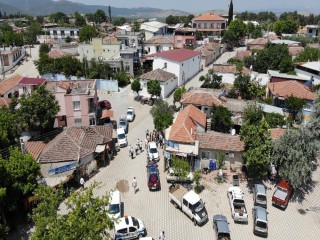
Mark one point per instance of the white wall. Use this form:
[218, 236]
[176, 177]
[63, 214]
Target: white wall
[153, 48]
[183, 70]
[166, 87]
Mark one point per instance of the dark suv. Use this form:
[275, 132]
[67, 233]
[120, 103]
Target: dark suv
[153, 176]
[221, 226]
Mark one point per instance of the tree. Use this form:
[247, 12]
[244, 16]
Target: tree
[221, 119]
[235, 33]
[250, 28]
[314, 123]
[100, 16]
[180, 167]
[59, 17]
[87, 217]
[294, 105]
[136, 86]
[122, 78]
[37, 112]
[67, 39]
[257, 32]
[162, 115]
[154, 88]
[80, 21]
[289, 26]
[308, 54]
[275, 120]
[87, 33]
[293, 154]
[9, 129]
[109, 11]
[230, 15]
[252, 114]
[31, 33]
[221, 158]
[136, 26]
[178, 93]
[44, 48]
[212, 80]
[257, 141]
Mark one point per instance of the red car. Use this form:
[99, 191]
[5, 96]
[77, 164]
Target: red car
[153, 176]
[104, 104]
[282, 194]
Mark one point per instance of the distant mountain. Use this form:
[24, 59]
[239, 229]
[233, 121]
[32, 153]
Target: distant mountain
[46, 7]
[4, 8]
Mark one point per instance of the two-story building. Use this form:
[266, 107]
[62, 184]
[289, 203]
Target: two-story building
[158, 44]
[10, 57]
[9, 87]
[184, 37]
[153, 28]
[209, 24]
[312, 31]
[62, 33]
[77, 100]
[183, 63]
[27, 85]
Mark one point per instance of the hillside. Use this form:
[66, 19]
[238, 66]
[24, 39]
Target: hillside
[46, 7]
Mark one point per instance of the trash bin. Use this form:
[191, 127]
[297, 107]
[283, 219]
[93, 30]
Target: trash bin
[235, 180]
[212, 165]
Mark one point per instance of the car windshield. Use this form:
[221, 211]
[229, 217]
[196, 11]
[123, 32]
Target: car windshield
[261, 224]
[198, 206]
[153, 150]
[114, 208]
[135, 222]
[153, 170]
[122, 123]
[121, 136]
[261, 198]
[129, 113]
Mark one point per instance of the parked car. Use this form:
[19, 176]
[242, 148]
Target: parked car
[104, 104]
[153, 154]
[129, 228]
[153, 176]
[260, 221]
[146, 100]
[221, 227]
[130, 115]
[173, 178]
[122, 138]
[259, 195]
[282, 194]
[237, 205]
[123, 124]
[115, 205]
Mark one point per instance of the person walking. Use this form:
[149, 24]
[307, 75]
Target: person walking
[162, 236]
[82, 183]
[134, 185]
[137, 149]
[140, 146]
[146, 144]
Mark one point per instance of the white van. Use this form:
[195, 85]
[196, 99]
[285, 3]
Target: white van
[129, 228]
[115, 205]
[122, 138]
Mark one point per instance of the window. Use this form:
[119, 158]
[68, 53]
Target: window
[205, 155]
[310, 30]
[212, 25]
[205, 25]
[127, 68]
[179, 41]
[165, 65]
[55, 32]
[185, 202]
[24, 89]
[229, 154]
[122, 231]
[62, 33]
[181, 64]
[76, 105]
[71, 33]
[77, 121]
[132, 229]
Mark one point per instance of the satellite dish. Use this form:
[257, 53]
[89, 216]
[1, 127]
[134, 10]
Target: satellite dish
[233, 132]
[100, 58]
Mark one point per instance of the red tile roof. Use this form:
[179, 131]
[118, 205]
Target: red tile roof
[57, 53]
[222, 68]
[32, 81]
[201, 98]
[35, 148]
[183, 130]
[276, 133]
[242, 54]
[158, 74]
[208, 17]
[159, 40]
[220, 141]
[8, 84]
[177, 55]
[288, 88]
[4, 102]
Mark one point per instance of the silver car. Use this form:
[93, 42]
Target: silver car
[130, 115]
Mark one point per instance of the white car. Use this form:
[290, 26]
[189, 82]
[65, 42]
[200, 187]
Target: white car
[122, 138]
[130, 115]
[115, 205]
[173, 178]
[129, 228]
[153, 154]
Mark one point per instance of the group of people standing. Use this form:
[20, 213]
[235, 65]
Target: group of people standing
[155, 136]
[135, 149]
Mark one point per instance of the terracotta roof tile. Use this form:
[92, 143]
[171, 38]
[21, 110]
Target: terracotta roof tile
[242, 54]
[159, 40]
[183, 130]
[177, 55]
[208, 17]
[220, 141]
[4, 102]
[288, 88]
[276, 133]
[294, 50]
[230, 69]
[8, 84]
[201, 98]
[35, 148]
[75, 142]
[32, 81]
[57, 53]
[158, 74]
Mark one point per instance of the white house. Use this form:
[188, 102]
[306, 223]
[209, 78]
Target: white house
[158, 44]
[183, 63]
[154, 28]
[308, 70]
[168, 81]
[61, 33]
[312, 31]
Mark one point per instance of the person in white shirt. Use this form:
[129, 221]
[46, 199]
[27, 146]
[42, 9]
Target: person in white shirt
[82, 183]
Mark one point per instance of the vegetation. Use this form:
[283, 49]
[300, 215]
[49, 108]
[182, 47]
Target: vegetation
[211, 80]
[87, 216]
[235, 33]
[9, 128]
[294, 105]
[230, 13]
[293, 154]
[260, 16]
[154, 88]
[221, 159]
[197, 177]
[162, 115]
[87, 32]
[275, 120]
[287, 25]
[180, 166]
[178, 93]
[221, 119]
[308, 54]
[172, 20]
[37, 111]
[247, 88]
[314, 123]
[136, 86]
[80, 21]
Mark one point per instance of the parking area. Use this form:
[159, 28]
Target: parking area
[159, 214]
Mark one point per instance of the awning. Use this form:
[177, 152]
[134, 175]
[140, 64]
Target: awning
[100, 148]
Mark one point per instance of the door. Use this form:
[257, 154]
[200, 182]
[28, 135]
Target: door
[132, 232]
[186, 208]
[122, 233]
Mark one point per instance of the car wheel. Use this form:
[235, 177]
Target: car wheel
[139, 236]
[175, 205]
[195, 222]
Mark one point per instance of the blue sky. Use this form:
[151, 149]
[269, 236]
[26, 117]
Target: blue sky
[195, 6]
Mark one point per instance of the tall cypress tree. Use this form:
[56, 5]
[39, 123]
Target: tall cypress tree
[230, 17]
[110, 18]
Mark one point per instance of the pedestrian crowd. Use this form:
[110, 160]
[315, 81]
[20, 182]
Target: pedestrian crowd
[154, 136]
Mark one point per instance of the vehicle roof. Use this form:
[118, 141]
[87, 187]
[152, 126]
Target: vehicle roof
[283, 184]
[222, 223]
[192, 197]
[236, 192]
[153, 145]
[261, 213]
[153, 169]
[260, 188]
[122, 223]
[130, 108]
[120, 131]
[115, 197]
[122, 118]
